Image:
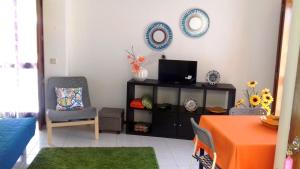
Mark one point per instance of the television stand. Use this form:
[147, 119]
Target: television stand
[174, 121]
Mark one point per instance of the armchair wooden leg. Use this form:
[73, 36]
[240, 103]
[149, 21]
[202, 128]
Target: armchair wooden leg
[49, 130]
[97, 128]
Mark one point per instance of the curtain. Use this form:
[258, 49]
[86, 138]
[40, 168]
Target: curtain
[18, 56]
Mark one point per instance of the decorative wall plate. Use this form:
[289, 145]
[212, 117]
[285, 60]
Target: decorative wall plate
[190, 105]
[158, 36]
[194, 23]
[213, 77]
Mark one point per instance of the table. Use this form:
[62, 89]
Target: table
[241, 142]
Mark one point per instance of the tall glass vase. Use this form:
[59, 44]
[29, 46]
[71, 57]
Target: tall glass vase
[247, 111]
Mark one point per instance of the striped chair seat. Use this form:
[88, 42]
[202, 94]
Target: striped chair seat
[206, 161]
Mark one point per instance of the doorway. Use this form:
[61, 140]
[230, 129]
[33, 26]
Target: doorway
[19, 58]
[282, 49]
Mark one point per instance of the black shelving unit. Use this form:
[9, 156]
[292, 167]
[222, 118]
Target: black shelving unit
[175, 121]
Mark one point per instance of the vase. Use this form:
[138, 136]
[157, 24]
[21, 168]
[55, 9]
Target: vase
[247, 111]
[141, 75]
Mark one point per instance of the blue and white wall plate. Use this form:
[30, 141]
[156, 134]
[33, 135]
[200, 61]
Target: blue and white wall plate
[158, 36]
[194, 22]
[213, 77]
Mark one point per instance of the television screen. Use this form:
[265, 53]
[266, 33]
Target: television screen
[177, 71]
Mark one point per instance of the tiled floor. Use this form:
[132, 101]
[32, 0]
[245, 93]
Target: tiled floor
[170, 153]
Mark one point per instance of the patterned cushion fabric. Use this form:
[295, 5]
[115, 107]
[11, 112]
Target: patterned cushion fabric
[69, 99]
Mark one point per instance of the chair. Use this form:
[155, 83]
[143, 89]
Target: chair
[205, 137]
[54, 118]
[247, 111]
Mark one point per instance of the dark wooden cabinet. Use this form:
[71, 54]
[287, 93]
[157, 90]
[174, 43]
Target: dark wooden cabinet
[184, 129]
[173, 122]
[164, 123]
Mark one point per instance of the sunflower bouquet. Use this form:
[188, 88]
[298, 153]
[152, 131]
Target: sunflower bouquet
[256, 98]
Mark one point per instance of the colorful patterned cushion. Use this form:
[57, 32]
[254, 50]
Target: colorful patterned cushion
[69, 99]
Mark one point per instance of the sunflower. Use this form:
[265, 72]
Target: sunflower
[265, 91]
[252, 84]
[268, 98]
[267, 109]
[264, 103]
[254, 100]
[239, 102]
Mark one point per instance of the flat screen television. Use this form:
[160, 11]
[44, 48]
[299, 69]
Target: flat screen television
[177, 71]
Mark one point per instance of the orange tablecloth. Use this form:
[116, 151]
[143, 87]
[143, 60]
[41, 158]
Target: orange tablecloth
[241, 142]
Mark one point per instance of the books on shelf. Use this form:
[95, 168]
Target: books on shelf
[141, 127]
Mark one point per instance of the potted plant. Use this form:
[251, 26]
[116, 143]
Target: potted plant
[139, 73]
[255, 98]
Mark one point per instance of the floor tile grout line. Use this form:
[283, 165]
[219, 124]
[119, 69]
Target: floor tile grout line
[173, 153]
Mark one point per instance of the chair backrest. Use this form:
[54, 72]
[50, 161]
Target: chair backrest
[247, 111]
[66, 82]
[203, 135]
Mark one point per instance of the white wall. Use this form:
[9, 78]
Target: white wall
[54, 37]
[241, 42]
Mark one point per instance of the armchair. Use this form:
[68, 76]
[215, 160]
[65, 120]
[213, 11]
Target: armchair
[55, 118]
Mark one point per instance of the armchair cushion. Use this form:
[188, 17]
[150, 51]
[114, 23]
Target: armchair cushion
[69, 99]
[63, 116]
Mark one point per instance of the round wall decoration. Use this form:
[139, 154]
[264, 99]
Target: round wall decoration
[190, 104]
[194, 23]
[213, 77]
[158, 36]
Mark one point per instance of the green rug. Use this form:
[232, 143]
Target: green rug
[95, 158]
